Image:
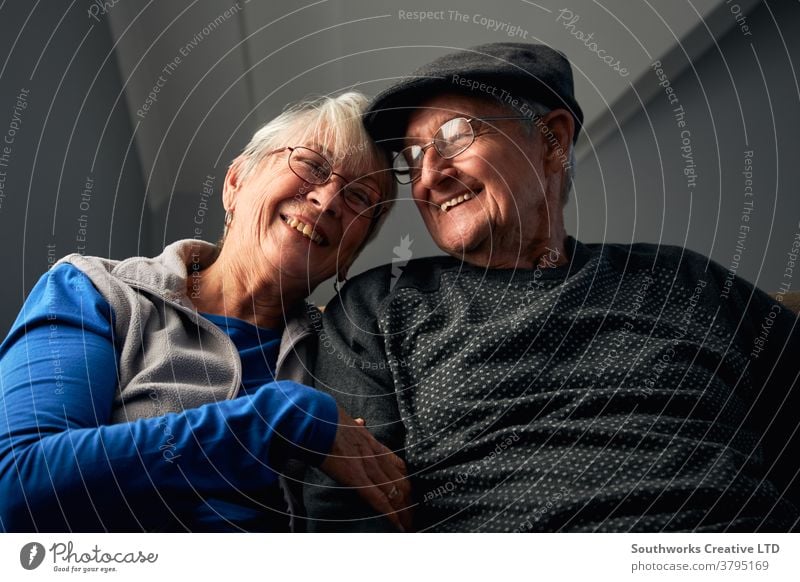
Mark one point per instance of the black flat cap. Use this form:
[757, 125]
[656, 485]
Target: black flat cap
[532, 71]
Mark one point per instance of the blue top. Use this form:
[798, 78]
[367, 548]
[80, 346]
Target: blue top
[212, 468]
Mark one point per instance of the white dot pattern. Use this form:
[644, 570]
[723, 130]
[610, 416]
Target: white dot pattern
[609, 400]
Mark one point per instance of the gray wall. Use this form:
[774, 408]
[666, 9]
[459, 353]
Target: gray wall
[272, 53]
[632, 186]
[73, 127]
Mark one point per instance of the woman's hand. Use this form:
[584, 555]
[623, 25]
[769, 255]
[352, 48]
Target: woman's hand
[359, 461]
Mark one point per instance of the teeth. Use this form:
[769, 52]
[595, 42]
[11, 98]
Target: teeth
[456, 201]
[304, 229]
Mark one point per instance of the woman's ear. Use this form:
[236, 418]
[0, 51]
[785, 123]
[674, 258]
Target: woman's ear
[557, 131]
[232, 184]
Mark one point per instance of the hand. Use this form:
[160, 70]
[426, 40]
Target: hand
[379, 476]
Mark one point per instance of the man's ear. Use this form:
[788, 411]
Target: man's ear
[232, 184]
[341, 275]
[557, 138]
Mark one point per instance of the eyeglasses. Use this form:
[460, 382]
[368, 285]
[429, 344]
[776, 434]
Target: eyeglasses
[314, 168]
[453, 138]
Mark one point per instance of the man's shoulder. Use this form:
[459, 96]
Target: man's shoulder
[676, 266]
[659, 259]
[369, 291]
[391, 277]
[652, 253]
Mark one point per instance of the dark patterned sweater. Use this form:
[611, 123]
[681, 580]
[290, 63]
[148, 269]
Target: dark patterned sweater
[638, 388]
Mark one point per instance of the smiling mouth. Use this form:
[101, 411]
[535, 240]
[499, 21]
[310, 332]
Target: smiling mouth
[305, 229]
[456, 200]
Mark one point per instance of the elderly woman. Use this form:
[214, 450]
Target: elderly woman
[170, 393]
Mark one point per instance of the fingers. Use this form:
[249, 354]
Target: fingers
[395, 467]
[374, 467]
[360, 461]
[372, 484]
[389, 471]
[394, 489]
[376, 497]
[404, 512]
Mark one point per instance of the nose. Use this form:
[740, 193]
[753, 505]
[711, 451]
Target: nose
[326, 196]
[435, 169]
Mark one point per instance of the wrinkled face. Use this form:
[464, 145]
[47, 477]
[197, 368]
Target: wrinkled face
[287, 226]
[493, 194]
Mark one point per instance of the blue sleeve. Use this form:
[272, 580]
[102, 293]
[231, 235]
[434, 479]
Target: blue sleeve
[63, 467]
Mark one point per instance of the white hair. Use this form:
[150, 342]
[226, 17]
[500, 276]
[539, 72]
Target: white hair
[332, 124]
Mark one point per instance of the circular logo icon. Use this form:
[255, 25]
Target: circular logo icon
[31, 555]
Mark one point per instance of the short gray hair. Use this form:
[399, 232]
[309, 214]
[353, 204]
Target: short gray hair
[330, 122]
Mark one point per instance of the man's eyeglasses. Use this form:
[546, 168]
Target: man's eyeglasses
[314, 168]
[453, 138]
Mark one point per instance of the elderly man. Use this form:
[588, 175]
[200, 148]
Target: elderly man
[535, 383]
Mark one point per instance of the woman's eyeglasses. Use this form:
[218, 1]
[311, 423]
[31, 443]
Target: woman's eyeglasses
[314, 168]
